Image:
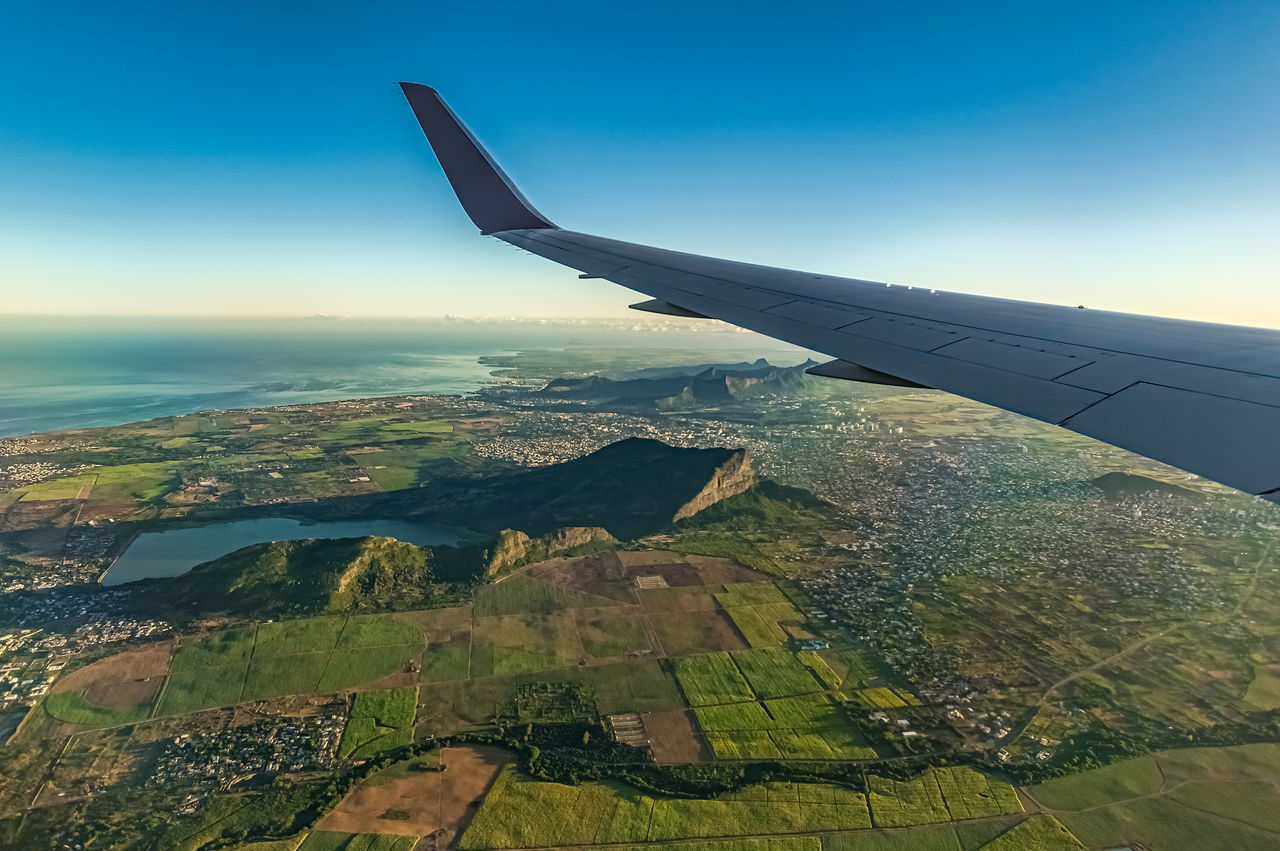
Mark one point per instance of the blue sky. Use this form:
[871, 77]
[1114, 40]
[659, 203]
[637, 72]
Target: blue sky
[257, 158]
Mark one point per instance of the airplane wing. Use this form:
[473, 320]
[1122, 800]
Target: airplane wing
[1199, 396]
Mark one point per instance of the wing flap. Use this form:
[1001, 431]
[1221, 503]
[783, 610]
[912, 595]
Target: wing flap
[1191, 430]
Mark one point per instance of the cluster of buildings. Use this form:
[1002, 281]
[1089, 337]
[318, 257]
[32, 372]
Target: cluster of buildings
[218, 758]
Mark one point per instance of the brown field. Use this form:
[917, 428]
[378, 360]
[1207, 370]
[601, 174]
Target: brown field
[433, 801]
[723, 571]
[126, 694]
[121, 669]
[678, 575]
[680, 634]
[660, 600]
[674, 738]
[648, 557]
[601, 574]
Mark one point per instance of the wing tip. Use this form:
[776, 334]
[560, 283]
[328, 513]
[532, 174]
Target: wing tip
[487, 195]
[406, 86]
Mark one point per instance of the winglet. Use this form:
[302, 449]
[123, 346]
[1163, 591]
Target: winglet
[488, 196]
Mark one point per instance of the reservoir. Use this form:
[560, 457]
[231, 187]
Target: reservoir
[173, 552]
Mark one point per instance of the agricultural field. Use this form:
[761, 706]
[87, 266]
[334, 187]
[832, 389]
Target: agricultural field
[765, 704]
[712, 679]
[775, 673]
[379, 721]
[761, 612]
[333, 841]
[119, 689]
[555, 702]
[419, 796]
[520, 812]
[941, 794]
[234, 666]
[1228, 798]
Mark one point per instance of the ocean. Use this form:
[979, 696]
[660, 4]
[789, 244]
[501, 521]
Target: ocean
[64, 373]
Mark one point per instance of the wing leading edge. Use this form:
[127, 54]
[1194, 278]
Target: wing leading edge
[1199, 396]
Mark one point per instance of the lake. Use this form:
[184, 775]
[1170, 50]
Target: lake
[173, 552]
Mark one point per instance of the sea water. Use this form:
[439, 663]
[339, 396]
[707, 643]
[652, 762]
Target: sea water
[62, 373]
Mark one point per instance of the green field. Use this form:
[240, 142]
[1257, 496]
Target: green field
[941, 794]
[775, 673]
[206, 688]
[712, 678]
[1227, 798]
[758, 610]
[818, 666]
[449, 660]
[1041, 833]
[232, 647]
[282, 638]
[519, 812]
[327, 840]
[76, 708]
[380, 720]
[518, 594]
[323, 654]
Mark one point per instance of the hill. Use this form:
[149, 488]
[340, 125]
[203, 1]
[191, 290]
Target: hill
[303, 578]
[1122, 485]
[632, 488]
[669, 388]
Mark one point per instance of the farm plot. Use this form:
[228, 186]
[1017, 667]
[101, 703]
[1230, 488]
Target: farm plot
[750, 594]
[518, 594]
[552, 702]
[712, 679]
[775, 673]
[513, 644]
[808, 727]
[202, 689]
[638, 685]
[854, 667]
[282, 638]
[941, 794]
[759, 610]
[380, 720]
[116, 690]
[447, 660]
[286, 657]
[412, 797]
[232, 647]
[882, 697]
[612, 632]
[681, 633]
[819, 668]
[520, 812]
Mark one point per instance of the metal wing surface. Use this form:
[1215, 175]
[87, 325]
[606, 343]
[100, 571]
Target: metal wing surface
[1196, 395]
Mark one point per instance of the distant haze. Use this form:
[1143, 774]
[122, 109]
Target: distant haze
[62, 373]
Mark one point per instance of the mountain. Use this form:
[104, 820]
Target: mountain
[631, 488]
[675, 387]
[688, 369]
[626, 490]
[1121, 485]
